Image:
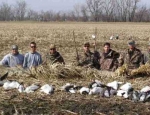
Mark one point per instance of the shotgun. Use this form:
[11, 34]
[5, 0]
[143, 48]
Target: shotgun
[75, 46]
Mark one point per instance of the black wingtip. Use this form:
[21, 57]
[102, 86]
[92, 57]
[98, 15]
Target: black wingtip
[4, 76]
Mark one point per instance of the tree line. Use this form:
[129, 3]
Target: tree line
[91, 10]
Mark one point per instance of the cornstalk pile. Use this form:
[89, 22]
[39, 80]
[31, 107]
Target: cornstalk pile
[142, 70]
[58, 71]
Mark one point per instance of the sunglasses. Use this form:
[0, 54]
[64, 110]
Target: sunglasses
[33, 46]
[52, 49]
[86, 46]
[14, 49]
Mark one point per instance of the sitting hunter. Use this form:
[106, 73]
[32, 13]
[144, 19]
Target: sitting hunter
[109, 58]
[88, 58]
[13, 59]
[53, 56]
[146, 55]
[133, 56]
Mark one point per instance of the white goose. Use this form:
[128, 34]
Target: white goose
[110, 92]
[95, 83]
[111, 37]
[122, 93]
[48, 89]
[145, 89]
[11, 85]
[93, 36]
[32, 88]
[21, 88]
[114, 84]
[126, 87]
[145, 93]
[84, 90]
[68, 88]
[143, 96]
[96, 90]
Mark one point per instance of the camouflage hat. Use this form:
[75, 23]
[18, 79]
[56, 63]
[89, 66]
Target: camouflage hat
[131, 42]
[14, 47]
[86, 44]
[52, 46]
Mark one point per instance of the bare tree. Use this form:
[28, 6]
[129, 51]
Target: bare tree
[132, 7]
[5, 12]
[95, 8]
[32, 15]
[84, 13]
[109, 9]
[77, 11]
[20, 9]
[142, 14]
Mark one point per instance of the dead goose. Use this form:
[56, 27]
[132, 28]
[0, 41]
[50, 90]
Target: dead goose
[48, 89]
[125, 90]
[31, 88]
[95, 83]
[70, 88]
[145, 94]
[11, 85]
[126, 87]
[114, 84]
[134, 96]
[84, 91]
[21, 88]
[97, 91]
[2, 78]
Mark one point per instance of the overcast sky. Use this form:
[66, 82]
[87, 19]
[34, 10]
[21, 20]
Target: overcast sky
[55, 5]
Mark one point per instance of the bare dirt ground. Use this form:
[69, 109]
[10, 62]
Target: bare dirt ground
[62, 103]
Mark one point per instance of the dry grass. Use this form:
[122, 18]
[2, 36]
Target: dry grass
[61, 34]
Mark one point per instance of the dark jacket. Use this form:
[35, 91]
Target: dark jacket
[133, 58]
[109, 61]
[90, 59]
[54, 58]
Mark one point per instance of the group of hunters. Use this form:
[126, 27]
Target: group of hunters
[107, 60]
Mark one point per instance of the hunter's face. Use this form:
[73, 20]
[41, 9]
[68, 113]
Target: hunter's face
[131, 47]
[33, 47]
[149, 48]
[86, 48]
[106, 48]
[14, 51]
[52, 50]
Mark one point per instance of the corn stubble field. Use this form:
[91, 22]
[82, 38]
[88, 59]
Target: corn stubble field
[60, 103]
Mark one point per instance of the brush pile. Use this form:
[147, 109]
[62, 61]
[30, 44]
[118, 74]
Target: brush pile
[58, 71]
[142, 70]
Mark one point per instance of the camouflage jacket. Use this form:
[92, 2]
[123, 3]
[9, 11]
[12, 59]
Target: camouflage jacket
[109, 61]
[90, 59]
[54, 58]
[146, 57]
[133, 59]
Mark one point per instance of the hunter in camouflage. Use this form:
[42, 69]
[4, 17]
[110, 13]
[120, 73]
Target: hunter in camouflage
[89, 59]
[53, 56]
[146, 55]
[109, 58]
[133, 56]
